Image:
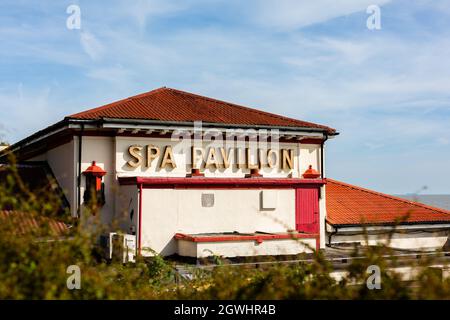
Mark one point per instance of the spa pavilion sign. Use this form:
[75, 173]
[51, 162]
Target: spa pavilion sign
[211, 158]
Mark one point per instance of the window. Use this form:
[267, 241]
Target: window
[207, 200]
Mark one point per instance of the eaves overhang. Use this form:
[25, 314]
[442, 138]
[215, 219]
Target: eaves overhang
[144, 123]
[147, 125]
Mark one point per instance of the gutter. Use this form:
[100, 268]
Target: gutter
[60, 126]
[361, 229]
[335, 231]
[80, 149]
[322, 156]
[140, 220]
[55, 128]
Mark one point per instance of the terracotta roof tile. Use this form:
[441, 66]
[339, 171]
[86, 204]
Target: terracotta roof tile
[351, 205]
[166, 104]
[25, 223]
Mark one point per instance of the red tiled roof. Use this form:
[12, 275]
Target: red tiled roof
[166, 104]
[352, 205]
[24, 223]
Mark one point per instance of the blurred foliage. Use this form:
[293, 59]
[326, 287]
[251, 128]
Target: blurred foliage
[34, 263]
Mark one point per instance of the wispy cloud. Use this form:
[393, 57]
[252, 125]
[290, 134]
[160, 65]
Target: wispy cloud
[142, 10]
[91, 45]
[294, 14]
[25, 109]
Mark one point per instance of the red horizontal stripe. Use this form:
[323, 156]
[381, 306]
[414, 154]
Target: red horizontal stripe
[202, 182]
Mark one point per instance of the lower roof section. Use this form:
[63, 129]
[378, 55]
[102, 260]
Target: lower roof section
[232, 244]
[257, 236]
[29, 223]
[349, 205]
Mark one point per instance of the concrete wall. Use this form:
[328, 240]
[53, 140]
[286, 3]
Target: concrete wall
[413, 240]
[245, 248]
[168, 211]
[405, 273]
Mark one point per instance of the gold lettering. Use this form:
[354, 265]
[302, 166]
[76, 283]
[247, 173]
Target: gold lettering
[261, 159]
[168, 158]
[225, 157]
[288, 159]
[272, 161]
[239, 162]
[211, 160]
[249, 164]
[196, 154]
[134, 152]
[152, 153]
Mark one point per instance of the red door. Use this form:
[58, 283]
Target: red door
[307, 210]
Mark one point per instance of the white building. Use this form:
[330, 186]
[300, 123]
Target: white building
[195, 176]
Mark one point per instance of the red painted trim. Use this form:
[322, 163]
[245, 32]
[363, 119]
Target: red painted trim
[218, 183]
[258, 238]
[317, 243]
[140, 219]
[311, 141]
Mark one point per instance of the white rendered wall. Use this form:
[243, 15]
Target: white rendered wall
[168, 211]
[101, 150]
[309, 155]
[245, 248]
[322, 217]
[61, 161]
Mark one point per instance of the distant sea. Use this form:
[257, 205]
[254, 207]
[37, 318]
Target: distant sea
[434, 200]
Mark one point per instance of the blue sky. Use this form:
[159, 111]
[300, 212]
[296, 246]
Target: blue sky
[387, 91]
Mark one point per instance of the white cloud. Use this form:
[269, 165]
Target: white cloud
[142, 10]
[91, 45]
[28, 110]
[117, 74]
